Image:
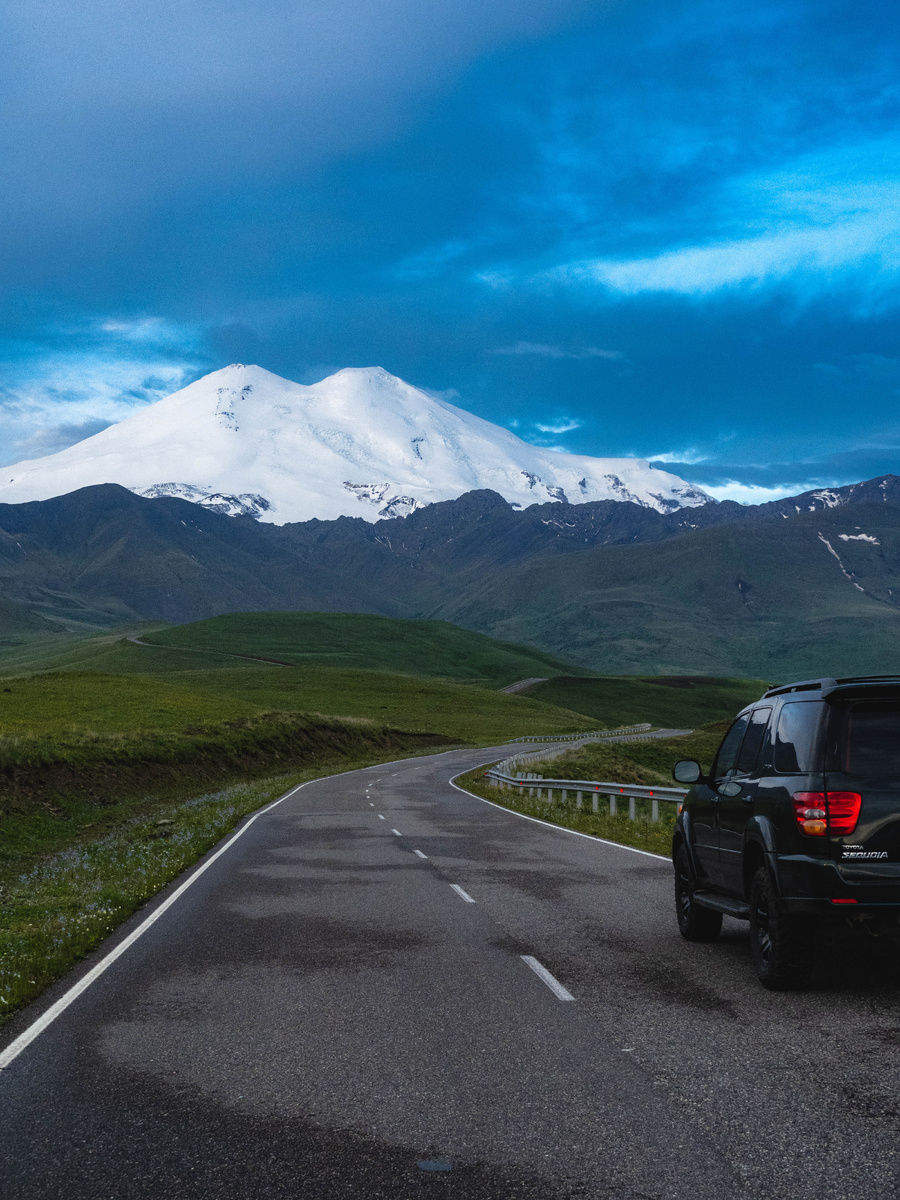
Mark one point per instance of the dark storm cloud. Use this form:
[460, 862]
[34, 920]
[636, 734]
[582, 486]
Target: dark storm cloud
[665, 227]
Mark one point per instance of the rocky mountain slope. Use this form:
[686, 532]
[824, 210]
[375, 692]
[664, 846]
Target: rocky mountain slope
[804, 586]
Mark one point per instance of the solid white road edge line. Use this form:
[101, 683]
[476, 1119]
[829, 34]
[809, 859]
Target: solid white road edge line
[15, 1048]
[550, 824]
[552, 983]
[420, 854]
[461, 892]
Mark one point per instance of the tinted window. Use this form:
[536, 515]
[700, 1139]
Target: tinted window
[753, 739]
[729, 748]
[867, 739]
[796, 738]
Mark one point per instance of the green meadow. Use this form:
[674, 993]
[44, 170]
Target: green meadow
[124, 760]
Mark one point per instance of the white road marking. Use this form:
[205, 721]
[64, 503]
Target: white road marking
[460, 892]
[371, 805]
[552, 983]
[15, 1048]
[397, 831]
[420, 854]
[550, 825]
[380, 817]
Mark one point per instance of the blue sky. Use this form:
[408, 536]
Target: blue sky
[663, 228]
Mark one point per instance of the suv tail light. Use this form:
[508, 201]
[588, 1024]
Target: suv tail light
[819, 813]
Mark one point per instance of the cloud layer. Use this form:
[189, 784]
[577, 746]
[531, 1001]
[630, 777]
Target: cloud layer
[621, 225]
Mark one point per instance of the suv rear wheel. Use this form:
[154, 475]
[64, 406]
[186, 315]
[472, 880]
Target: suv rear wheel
[783, 946]
[695, 923]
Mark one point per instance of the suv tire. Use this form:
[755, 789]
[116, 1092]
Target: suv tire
[783, 946]
[695, 924]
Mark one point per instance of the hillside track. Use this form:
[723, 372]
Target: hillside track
[339, 1009]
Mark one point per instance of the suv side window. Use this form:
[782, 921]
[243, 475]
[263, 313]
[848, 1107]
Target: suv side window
[796, 738]
[730, 745]
[756, 732]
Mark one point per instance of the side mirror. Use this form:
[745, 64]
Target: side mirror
[687, 771]
[729, 789]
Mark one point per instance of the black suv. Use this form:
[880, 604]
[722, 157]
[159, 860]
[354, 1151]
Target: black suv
[797, 822]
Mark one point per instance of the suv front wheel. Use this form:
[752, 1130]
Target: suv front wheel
[695, 923]
[783, 946]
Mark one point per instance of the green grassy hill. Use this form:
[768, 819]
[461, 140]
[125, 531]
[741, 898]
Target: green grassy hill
[674, 702]
[362, 642]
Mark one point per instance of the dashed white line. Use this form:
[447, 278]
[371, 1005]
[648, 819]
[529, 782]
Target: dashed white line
[380, 817]
[461, 892]
[420, 854]
[397, 831]
[552, 983]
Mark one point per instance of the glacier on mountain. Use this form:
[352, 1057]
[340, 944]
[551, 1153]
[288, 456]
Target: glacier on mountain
[245, 442]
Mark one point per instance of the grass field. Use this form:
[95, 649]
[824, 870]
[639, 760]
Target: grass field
[674, 702]
[359, 642]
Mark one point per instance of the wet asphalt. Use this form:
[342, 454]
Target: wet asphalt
[321, 1015]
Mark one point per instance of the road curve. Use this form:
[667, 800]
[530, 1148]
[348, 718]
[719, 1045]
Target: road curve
[356, 1001]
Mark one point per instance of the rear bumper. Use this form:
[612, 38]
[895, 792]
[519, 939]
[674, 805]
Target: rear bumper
[819, 907]
[817, 886]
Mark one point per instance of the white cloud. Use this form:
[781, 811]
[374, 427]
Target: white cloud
[748, 493]
[59, 400]
[690, 457]
[829, 216]
[545, 351]
[561, 426]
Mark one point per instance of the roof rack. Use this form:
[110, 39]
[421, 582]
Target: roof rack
[805, 685]
[895, 678]
[815, 685]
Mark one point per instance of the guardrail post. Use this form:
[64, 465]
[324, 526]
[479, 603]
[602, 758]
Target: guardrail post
[632, 808]
[595, 802]
[654, 810]
[564, 797]
[612, 805]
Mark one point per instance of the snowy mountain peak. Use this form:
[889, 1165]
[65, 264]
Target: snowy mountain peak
[362, 442]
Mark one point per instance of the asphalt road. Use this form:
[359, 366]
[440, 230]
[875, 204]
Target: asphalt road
[322, 1016]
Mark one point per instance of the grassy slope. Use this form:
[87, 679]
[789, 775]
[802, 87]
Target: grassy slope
[361, 642]
[635, 762]
[754, 599]
[648, 762]
[667, 701]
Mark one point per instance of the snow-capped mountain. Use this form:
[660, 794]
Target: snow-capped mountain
[360, 443]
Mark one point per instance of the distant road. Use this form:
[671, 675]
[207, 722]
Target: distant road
[277, 662]
[366, 997]
[523, 684]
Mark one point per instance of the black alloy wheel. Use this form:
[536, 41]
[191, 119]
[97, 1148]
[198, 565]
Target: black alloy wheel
[696, 924]
[783, 946]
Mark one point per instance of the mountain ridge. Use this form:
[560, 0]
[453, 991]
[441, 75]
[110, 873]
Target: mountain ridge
[807, 584]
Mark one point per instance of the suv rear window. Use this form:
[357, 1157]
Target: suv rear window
[865, 738]
[794, 752]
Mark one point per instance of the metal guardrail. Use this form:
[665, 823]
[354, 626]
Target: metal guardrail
[595, 789]
[631, 733]
[578, 737]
